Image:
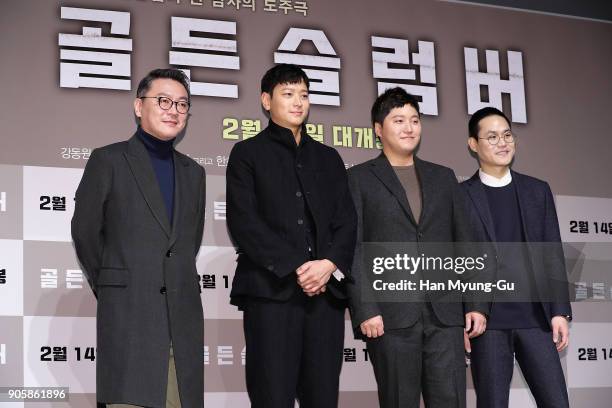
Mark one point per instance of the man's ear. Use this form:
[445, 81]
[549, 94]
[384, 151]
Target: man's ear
[138, 107]
[378, 129]
[266, 100]
[473, 144]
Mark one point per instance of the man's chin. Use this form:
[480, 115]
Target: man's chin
[504, 163]
[409, 150]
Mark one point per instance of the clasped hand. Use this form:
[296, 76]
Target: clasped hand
[313, 276]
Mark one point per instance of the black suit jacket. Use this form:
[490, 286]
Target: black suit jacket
[263, 219]
[143, 271]
[540, 225]
[384, 215]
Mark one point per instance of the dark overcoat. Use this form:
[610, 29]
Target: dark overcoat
[142, 270]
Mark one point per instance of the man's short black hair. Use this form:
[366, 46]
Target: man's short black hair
[480, 114]
[390, 99]
[163, 73]
[283, 74]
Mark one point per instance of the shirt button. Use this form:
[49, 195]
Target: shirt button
[299, 165]
[300, 221]
[270, 268]
[298, 194]
[162, 290]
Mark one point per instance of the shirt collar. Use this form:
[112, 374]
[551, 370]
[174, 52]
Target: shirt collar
[493, 181]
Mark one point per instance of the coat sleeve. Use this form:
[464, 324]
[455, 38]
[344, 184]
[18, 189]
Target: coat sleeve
[360, 310]
[88, 220]
[248, 229]
[554, 260]
[343, 225]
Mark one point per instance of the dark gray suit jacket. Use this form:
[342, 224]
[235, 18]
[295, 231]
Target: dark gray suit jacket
[540, 225]
[143, 272]
[384, 215]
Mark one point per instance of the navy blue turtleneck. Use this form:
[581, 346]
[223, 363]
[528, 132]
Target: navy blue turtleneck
[162, 159]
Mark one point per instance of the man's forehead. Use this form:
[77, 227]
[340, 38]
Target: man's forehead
[301, 85]
[168, 87]
[493, 121]
[406, 110]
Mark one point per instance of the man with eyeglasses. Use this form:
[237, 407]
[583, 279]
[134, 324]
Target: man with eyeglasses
[517, 214]
[137, 228]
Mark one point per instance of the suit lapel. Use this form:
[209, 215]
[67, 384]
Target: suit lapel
[140, 164]
[478, 197]
[521, 195]
[384, 172]
[425, 185]
[180, 178]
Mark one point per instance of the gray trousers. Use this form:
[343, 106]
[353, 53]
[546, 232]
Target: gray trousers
[427, 358]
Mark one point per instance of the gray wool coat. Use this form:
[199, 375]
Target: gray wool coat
[142, 270]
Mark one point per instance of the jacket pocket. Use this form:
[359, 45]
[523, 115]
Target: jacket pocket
[112, 277]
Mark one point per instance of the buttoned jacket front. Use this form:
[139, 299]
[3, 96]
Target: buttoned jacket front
[269, 178]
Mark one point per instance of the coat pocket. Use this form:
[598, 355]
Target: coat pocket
[112, 277]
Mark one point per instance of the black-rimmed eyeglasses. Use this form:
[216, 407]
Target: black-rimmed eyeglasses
[166, 103]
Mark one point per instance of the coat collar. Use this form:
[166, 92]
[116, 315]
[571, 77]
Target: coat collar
[140, 164]
[285, 137]
[522, 196]
[383, 170]
[478, 196]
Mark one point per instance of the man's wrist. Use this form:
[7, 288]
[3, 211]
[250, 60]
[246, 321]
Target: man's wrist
[332, 266]
[476, 311]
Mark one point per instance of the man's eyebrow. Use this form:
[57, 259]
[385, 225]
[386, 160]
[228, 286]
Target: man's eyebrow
[168, 96]
[492, 132]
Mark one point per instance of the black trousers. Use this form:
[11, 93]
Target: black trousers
[427, 357]
[493, 363]
[294, 350]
